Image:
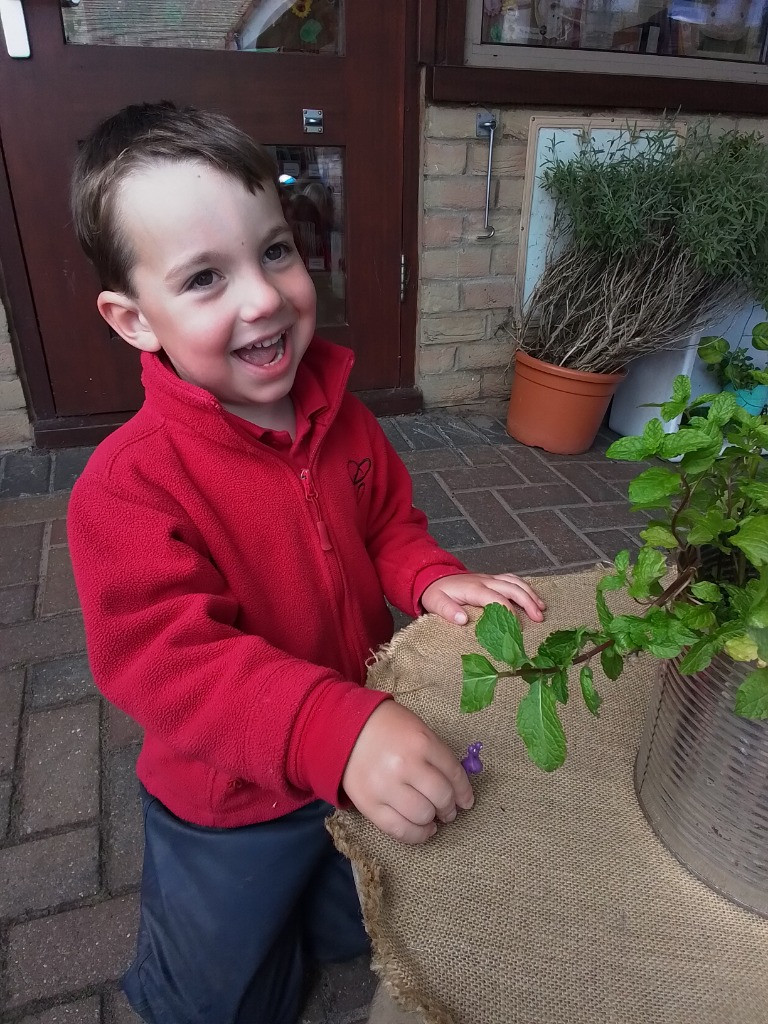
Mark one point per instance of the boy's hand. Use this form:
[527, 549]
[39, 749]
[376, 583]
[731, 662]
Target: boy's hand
[446, 596]
[402, 777]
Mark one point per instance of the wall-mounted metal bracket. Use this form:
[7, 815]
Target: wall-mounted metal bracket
[313, 121]
[485, 125]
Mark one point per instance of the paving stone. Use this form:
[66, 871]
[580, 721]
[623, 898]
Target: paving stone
[589, 483]
[17, 603]
[20, 553]
[59, 594]
[36, 640]
[25, 473]
[394, 436]
[430, 497]
[533, 496]
[124, 828]
[619, 472]
[558, 537]
[611, 542]
[455, 533]
[430, 461]
[60, 783]
[59, 532]
[60, 681]
[66, 952]
[121, 729]
[488, 455]
[459, 431]
[350, 985]
[44, 872]
[118, 1010]
[33, 510]
[84, 1011]
[596, 517]
[493, 429]
[68, 464]
[476, 477]
[530, 466]
[6, 788]
[490, 516]
[521, 557]
[11, 693]
[420, 432]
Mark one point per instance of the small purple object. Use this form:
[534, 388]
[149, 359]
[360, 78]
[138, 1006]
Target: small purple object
[472, 763]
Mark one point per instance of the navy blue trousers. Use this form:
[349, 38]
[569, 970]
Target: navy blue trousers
[231, 918]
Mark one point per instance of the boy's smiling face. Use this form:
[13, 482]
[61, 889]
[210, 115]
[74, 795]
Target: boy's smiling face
[218, 285]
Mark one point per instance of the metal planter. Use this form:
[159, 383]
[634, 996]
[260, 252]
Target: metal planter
[701, 778]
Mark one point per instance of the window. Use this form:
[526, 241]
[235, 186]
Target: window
[721, 40]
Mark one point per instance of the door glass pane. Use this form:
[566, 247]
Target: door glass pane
[733, 30]
[312, 179]
[277, 26]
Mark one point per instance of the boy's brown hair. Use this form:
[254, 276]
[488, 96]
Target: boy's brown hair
[140, 136]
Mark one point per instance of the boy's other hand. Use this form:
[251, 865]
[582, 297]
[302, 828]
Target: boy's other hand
[446, 596]
[402, 777]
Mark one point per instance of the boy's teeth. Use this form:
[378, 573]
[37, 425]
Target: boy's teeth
[263, 353]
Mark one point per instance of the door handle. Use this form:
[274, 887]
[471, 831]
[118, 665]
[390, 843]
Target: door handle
[485, 124]
[14, 28]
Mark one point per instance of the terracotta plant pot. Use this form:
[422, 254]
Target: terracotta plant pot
[557, 409]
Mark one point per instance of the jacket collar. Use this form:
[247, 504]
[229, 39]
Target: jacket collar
[196, 410]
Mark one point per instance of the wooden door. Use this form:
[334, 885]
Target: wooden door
[89, 60]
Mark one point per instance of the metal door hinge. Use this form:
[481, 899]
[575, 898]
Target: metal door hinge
[312, 120]
[403, 276]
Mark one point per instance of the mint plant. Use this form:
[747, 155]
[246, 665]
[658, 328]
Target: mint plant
[710, 524]
[736, 367]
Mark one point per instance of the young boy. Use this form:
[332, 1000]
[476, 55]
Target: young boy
[233, 546]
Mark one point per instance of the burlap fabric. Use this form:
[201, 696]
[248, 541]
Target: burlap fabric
[551, 902]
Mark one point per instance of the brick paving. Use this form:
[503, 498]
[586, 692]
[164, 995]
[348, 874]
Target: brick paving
[70, 822]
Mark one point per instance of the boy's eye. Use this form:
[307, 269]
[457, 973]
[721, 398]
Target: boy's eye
[203, 280]
[276, 251]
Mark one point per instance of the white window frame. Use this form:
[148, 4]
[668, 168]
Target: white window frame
[549, 58]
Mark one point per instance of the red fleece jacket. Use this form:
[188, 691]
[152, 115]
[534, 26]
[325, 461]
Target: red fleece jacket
[231, 601]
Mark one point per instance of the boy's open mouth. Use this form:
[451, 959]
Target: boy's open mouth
[263, 353]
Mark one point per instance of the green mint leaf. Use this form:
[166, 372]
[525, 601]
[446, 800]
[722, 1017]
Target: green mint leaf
[498, 630]
[621, 561]
[681, 394]
[703, 400]
[631, 449]
[752, 538]
[694, 616]
[712, 349]
[760, 337]
[760, 376]
[706, 591]
[479, 682]
[540, 727]
[761, 434]
[604, 613]
[709, 526]
[654, 485]
[562, 645]
[741, 648]
[560, 686]
[757, 491]
[592, 698]
[699, 656]
[687, 439]
[653, 435]
[752, 695]
[612, 662]
[649, 568]
[722, 408]
[658, 536]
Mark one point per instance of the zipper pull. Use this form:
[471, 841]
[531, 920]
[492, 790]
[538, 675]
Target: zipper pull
[311, 495]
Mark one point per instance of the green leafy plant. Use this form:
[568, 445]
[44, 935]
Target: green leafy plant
[710, 523]
[654, 233]
[736, 368]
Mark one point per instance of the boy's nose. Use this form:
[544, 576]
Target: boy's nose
[260, 298]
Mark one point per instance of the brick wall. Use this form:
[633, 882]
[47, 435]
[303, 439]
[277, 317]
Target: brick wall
[466, 285]
[15, 431]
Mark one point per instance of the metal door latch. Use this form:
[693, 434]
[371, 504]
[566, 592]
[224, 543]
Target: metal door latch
[313, 121]
[485, 124]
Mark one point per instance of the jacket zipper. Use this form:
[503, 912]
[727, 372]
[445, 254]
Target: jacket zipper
[311, 495]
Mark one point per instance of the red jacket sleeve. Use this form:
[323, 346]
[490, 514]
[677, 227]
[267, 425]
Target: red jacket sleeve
[406, 557]
[164, 647]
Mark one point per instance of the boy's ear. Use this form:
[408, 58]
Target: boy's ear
[125, 318]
